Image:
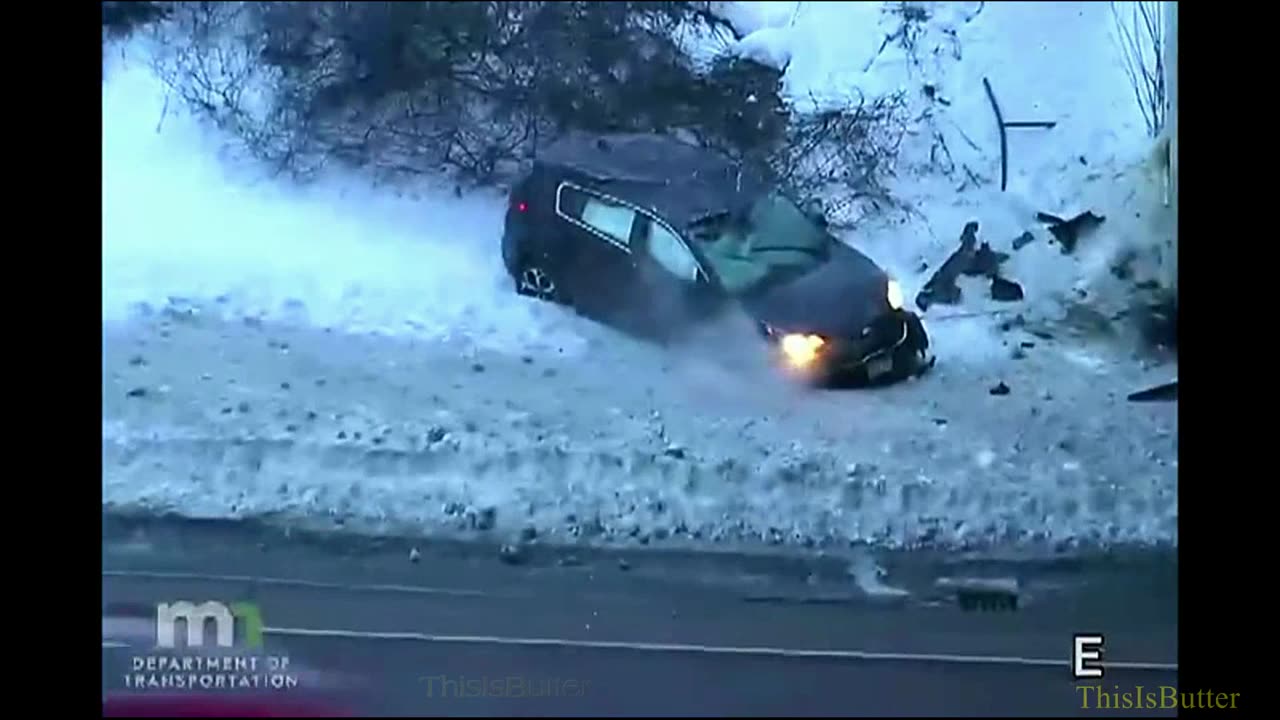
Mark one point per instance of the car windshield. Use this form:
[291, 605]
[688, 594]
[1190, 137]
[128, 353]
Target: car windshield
[773, 241]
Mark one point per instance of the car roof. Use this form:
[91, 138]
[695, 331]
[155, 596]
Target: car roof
[678, 180]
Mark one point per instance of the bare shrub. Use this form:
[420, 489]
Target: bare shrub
[473, 89]
[1140, 33]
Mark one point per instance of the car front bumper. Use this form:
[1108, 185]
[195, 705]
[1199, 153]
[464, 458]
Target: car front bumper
[892, 346]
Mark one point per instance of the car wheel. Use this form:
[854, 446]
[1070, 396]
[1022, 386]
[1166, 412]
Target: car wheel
[535, 280]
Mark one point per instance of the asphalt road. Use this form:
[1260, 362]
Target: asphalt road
[458, 632]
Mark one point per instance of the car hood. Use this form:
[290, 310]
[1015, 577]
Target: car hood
[837, 299]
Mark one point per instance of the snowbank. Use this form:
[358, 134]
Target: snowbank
[182, 219]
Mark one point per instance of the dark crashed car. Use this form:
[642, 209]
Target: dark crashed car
[652, 235]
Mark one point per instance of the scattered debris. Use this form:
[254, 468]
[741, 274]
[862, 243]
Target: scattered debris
[513, 554]
[137, 392]
[1069, 232]
[623, 565]
[528, 534]
[997, 594]
[1028, 344]
[485, 519]
[942, 288]
[985, 262]
[137, 361]
[1164, 392]
[1018, 353]
[1023, 240]
[1000, 389]
[1042, 334]
[1122, 268]
[436, 434]
[1005, 290]
[869, 577]
[1016, 321]
[674, 451]
[1158, 322]
[973, 260]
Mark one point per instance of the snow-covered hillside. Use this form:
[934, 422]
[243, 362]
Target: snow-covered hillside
[343, 354]
[1059, 62]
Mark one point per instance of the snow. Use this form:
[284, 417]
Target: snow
[180, 220]
[377, 305]
[1045, 61]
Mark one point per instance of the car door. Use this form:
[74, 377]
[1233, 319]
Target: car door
[600, 267]
[676, 289]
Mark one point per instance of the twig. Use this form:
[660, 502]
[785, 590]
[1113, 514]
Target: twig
[163, 112]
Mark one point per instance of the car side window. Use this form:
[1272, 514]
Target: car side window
[671, 253]
[610, 219]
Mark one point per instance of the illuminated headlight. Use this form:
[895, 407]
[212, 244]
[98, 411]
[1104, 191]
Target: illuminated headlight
[801, 350]
[894, 295]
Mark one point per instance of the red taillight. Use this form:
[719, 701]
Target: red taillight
[521, 207]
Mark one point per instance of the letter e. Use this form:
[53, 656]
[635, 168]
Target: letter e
[1086, 648]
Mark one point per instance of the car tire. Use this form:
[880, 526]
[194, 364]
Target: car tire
[534, 279]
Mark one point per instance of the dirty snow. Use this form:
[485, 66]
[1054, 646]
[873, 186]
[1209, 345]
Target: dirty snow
[348, 357]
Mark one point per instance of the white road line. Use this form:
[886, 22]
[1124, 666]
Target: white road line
[702, 649]
[418, 589]
[780, 652]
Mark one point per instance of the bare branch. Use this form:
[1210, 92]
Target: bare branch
[1140, 35]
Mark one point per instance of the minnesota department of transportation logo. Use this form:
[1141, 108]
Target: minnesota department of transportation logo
[224, 617]
[209, 645]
